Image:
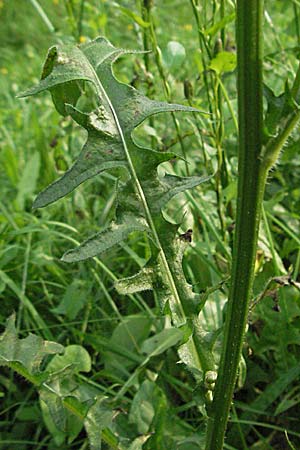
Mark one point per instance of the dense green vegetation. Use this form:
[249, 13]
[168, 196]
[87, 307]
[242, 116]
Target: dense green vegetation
[132, 369]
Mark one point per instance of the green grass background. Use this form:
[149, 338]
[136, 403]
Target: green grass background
[77, 304]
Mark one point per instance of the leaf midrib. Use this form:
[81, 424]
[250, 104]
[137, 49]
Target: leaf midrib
[100, 90]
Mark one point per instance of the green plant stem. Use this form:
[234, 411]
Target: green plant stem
[215, 109]
[159, 64]
[219, 113]
[297, 265]
[80, 18]
[43, 15]
[296, 19]
[230, 108]
[71, 17]
[271, 242]
[251, 185]
[222, 15]
[145, 9]
[274, 146]
[201, 39]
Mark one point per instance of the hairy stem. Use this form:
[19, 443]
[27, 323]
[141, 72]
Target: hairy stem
[251, 185]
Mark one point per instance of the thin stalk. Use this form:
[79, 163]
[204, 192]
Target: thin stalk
[167, 91]
[274, 146]
[43, 15]
[255, 161]
[145, 9]
[286, 229]
[251, 185]
[80, 18]
[222, 15]
[215, 109]
[202, 42]
[71, 17]
[219, 113]
[24, 280]
[277, 271]
[225, 94]
[297, 266]
[296, 18]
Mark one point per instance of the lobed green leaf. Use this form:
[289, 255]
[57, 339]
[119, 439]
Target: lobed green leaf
[110, 117]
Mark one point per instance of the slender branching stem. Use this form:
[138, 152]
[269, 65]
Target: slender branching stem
[214, 104]
[163, 76]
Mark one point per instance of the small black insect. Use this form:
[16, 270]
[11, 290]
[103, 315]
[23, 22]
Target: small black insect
[187, 236]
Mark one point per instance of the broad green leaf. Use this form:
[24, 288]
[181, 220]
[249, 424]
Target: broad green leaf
[144, 406]
[114, 111]
[174, 55]
[99, 417]
[27, 182]
[73, 300]
[75, 356]
[137, 444]
[279, 108]
[66, 406]
[162, 341]
[223, 62]
[28, 352]
[213, 30]
[106, 239]
[58, 435]
[29, 413]
[205, 342]
[62, 414]
[192, 443]
[64, 401]
[60, 93]
[173, 185]
[128, 335]
[142, 281]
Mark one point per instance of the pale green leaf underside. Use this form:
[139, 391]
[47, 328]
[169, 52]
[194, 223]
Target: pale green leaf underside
[142, 281]
[103, 149]
[117, 110]
[104, 240]
[99, 416]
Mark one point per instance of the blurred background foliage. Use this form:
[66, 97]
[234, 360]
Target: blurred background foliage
[77, 304]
